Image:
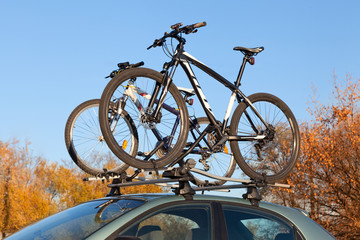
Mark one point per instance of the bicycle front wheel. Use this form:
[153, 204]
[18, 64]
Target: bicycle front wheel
[160, 141]
[265, 153]
[86, 144]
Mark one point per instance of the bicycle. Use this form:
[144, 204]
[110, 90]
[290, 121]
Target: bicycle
[265, 147]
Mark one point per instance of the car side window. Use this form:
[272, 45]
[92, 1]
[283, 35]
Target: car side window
[251, 224]
[182, 222]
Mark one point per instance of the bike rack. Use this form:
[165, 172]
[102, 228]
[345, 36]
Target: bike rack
[182, 175]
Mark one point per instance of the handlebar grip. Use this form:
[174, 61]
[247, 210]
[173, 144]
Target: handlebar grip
[138, 64]
[200, 24]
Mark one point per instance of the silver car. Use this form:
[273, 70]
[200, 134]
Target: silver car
[167, 216]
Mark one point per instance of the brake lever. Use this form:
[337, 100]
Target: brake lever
[112, 74]
[157, 42]
[191, 31]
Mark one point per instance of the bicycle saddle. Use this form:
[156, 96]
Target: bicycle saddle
[249, 51]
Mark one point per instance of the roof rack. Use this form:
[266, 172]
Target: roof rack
[182, 175]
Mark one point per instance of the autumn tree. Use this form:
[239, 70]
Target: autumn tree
[32, 188]
[326, 180]
[22, 200]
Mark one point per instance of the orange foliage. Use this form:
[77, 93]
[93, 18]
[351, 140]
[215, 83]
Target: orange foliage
[22, 200]
[326, 179]
[31, 188]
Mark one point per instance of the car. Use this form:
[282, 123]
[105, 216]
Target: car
[175, 216]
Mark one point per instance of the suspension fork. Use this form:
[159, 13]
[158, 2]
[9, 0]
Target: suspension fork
[166, 81]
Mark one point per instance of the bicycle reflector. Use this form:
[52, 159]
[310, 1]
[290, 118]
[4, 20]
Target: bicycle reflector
[124, 145]
[226, 150]
[190, 101]
[251, 60]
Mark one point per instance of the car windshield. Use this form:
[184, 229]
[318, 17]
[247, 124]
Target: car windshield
[78, 222]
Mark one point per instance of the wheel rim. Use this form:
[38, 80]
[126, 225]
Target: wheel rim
[271, 155]
[89, 145]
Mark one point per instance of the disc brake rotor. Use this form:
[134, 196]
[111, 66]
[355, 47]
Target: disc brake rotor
[143, 118]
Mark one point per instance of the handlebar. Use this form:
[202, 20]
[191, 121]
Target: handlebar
[176, 29]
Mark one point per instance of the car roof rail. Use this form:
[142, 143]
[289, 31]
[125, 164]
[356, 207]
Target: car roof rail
[182, 176]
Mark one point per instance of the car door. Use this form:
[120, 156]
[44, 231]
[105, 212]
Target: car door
[251, 223]
[185, 220]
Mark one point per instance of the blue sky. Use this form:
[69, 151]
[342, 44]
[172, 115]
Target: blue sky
[55, 54]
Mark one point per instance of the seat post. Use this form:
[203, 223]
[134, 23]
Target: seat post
[241, 71]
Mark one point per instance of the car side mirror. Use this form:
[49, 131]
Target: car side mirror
[127, 238]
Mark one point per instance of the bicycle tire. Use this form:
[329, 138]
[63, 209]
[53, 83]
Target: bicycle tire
[277, 156]
[85, 143]
[142, 78]
[221, 163]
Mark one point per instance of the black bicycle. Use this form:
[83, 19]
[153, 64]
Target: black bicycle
[263, 133]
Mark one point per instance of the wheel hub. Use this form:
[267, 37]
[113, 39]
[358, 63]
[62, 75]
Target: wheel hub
[144, 119]
[262, 144]
[101, 138]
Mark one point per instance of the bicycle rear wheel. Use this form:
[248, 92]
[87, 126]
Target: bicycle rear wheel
[272, 157]
[219, 163]
[86, 144]
[159, 142]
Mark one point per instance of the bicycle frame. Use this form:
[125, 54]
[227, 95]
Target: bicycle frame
[184, 63]
[184, 59]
